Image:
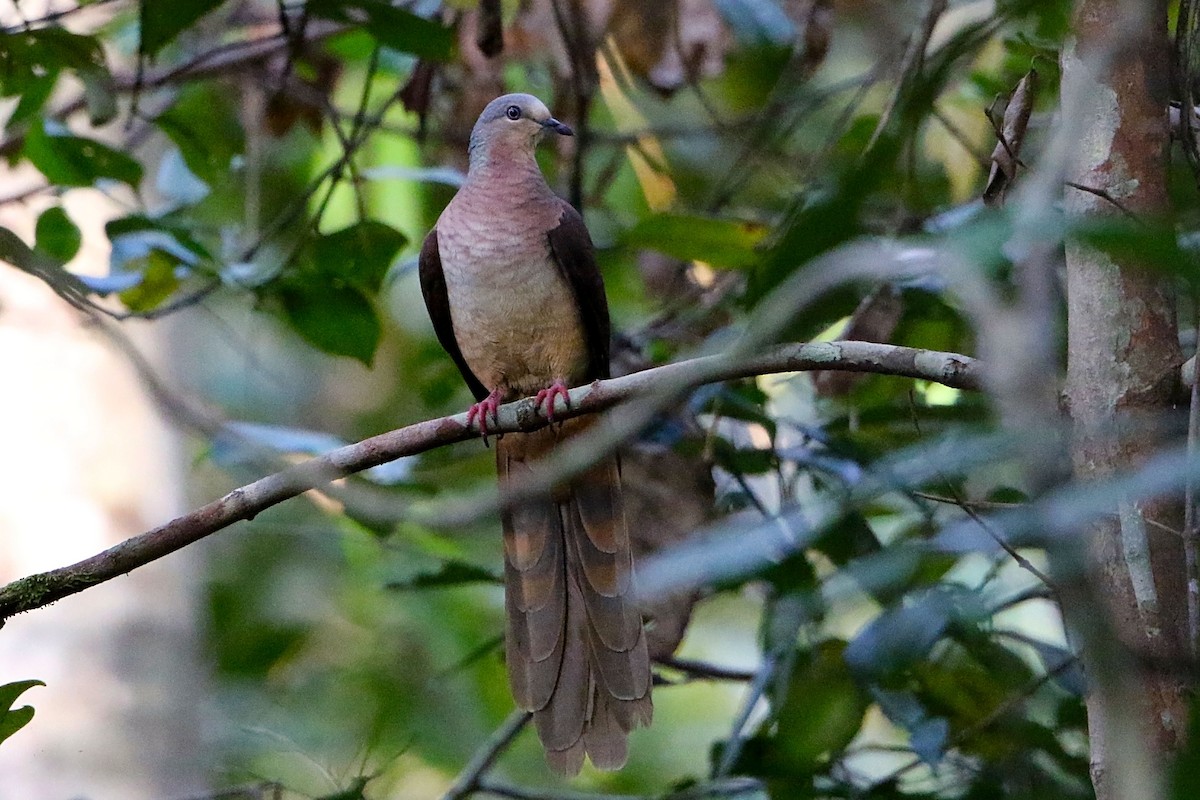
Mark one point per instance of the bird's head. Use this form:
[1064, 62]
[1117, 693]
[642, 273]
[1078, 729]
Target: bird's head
[514, 122]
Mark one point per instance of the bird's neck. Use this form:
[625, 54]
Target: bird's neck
[504, 162]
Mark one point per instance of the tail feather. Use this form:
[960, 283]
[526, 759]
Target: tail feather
[576, 648]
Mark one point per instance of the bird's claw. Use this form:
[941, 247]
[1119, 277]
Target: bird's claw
[478, 413]
[547, 396]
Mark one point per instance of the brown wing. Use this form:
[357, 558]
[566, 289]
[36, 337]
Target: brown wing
[437, 302]
[572, 249]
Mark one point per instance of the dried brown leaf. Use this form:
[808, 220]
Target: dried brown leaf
[1006, 157]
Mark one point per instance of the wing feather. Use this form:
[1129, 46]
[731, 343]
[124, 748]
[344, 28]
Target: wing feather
[437, 302]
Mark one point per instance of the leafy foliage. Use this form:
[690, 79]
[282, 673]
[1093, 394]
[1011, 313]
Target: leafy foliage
[13, 719]
[887, 663]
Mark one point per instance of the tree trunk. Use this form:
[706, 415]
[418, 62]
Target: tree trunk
[1123, 355]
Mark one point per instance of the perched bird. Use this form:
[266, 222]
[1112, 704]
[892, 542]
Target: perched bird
[510, 280]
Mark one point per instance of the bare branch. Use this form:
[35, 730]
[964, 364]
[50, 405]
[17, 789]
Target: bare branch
[468, 781]
[247, 501]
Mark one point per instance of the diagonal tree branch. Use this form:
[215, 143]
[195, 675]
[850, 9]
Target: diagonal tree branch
[244, 503]
[468, 782]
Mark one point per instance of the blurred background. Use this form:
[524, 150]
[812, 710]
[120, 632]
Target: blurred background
[213, 211]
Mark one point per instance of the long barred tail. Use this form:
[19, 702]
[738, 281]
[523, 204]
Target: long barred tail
[575, 645]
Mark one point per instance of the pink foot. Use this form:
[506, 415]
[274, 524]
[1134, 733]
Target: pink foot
[479, 412]
[546, 397]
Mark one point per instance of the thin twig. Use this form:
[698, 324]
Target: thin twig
[737, 738]
[1032, 593]
[703, 669]
[1104, 195]
[911, 66]
[497, 789]
[986, 505]
[247, 501]
[1016, 556]
[468, 780]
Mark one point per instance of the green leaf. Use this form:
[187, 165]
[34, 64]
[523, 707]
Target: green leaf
[391, 26]
[452, 573]
[12, 720]
[33, 98]
[84, 56]
[56, 235]
[359, 254]
[68, 160]
[899, 636]
[137, 234]
[163, 20]
[822, 711]
[337, 319]
[158, 282]
[31, 62]
[715, 241]
[205, 128]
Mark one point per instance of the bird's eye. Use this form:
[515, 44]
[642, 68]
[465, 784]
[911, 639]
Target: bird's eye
[513, 112]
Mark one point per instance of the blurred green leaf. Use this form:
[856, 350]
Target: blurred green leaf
[391, 26]
[1152, 244]
[56, 235]
[967, 693]
[1047, 20]
[84, 56]
[158, 282]
[12, 720]
[751, 73]
[715, 241]
[899, 636]
[850, 538]
[337, 319]
[735, 400]
[452, 573]
[249, 643]
[742, 460]
[148, 260]
[163, 20]
[33, 98]
[135, 235]
[823, 709]
[31, 62]
[359, 254]
[205, 128]
[69, 160]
